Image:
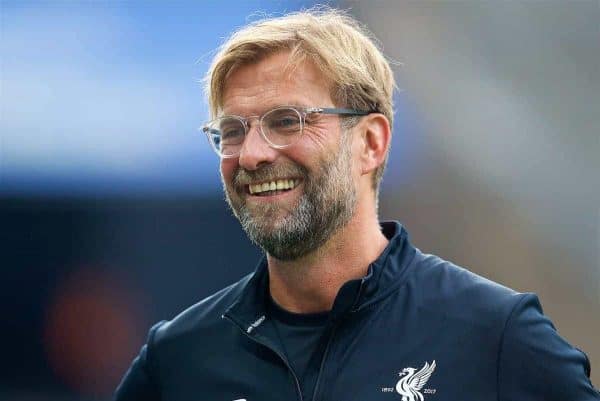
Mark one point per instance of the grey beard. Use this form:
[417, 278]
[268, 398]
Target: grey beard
[305, 230]
[327, 204]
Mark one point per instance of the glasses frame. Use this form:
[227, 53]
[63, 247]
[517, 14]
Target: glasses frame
[303, 112]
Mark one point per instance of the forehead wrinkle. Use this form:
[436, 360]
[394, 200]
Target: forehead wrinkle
[255, 88]
[251, 100]
[252, 103]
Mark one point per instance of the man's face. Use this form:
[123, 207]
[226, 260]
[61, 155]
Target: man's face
[288, 223]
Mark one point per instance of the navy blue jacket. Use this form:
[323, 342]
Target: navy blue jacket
[415, 328]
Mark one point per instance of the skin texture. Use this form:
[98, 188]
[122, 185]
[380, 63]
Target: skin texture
[338, 164]
[324, 205]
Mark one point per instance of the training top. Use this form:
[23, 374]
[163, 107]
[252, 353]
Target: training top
[415, 328]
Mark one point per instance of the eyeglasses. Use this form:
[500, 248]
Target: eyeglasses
[280, 127]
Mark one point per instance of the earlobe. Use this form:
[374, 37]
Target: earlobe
[376, 136]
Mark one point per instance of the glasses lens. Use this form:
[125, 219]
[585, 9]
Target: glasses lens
[282, 126]
[226, 134]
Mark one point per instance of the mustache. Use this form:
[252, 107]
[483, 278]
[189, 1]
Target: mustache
[242, 177]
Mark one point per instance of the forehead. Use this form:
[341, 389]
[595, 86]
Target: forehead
[254, 88]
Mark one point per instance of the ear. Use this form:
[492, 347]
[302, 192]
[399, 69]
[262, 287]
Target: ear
[375, 141]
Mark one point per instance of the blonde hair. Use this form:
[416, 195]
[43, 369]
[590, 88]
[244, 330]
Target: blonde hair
[360, 77]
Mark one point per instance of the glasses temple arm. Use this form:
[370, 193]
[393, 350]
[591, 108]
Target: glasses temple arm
[342, 111]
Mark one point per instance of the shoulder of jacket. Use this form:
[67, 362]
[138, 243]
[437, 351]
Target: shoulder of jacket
[201, 315]
[461, 293]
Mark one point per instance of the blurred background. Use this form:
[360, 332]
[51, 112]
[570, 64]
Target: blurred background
[111, 210]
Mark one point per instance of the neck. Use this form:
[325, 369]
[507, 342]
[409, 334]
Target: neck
[311, 283]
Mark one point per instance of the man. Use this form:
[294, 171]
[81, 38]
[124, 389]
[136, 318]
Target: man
[342, 307]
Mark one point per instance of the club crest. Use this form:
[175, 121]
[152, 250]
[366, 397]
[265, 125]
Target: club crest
[411, 383]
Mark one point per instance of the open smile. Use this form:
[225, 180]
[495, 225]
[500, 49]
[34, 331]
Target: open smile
[273, 187]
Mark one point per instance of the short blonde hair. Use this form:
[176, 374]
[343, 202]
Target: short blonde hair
[340, 47]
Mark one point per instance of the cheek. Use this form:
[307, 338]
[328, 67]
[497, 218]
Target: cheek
[356, 151]
[228, 168]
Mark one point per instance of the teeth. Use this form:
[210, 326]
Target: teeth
[272, 186]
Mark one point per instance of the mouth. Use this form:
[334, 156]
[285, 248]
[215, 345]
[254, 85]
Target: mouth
[273, 187]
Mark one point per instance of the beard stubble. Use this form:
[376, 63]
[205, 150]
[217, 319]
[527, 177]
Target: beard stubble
[326, 204]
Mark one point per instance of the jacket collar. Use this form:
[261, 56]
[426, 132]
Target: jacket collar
[384, 275]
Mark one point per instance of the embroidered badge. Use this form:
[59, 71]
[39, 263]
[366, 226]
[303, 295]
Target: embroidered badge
[411, 383]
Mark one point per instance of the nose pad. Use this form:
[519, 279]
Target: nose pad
[255, 149]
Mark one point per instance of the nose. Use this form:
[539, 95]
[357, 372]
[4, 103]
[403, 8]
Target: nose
[255, 149]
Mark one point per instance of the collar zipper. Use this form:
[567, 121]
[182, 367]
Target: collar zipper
[329, 341]
[247, 332]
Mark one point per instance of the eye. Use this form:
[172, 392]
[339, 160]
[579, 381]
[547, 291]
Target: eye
[231, 131]
[283, 121]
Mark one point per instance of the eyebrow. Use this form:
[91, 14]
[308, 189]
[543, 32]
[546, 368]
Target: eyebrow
[266, 109]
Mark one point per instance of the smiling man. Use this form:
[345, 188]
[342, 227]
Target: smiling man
[342, 307]
[292, 196]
